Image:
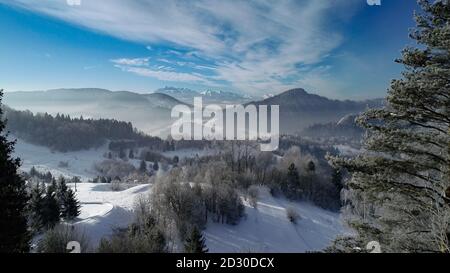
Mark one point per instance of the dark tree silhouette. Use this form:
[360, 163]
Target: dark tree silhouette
[14, 236]
[143, 166]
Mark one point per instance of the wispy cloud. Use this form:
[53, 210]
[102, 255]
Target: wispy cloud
[252, 46]
[143, 67]
[132, 62]
[163, 75]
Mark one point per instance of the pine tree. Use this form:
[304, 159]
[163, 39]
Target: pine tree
[122, 154]
[143, 166]
[195, 243]
[176, 160]
[14, 236]
[293, 182]
[51, 210]
[36, 206]
[48, 177]
[72, 206]
[68, 204]
[33, 172]
[155, 166]
[397, 190]
[61, 195]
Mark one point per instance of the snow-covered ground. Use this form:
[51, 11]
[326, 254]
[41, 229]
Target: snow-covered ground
[80, 163]
[102, 209]
[264, 229]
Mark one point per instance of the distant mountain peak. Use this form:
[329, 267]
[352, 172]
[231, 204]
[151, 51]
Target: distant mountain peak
[296, 92]
[171, 89]
[209, 96]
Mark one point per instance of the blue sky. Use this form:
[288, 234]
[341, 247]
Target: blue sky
[336, 48]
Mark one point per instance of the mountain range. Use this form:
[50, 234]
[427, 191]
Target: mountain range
[150, 112]
[300, 109]
[209, 96]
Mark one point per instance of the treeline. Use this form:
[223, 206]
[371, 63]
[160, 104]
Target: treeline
[152, 143]
[64, 133]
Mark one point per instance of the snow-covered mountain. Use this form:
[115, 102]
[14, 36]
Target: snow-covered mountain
[219, 96]
[209, 96]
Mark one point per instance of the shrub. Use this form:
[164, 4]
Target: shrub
[292, 215]
[116, 185]
[253, 195]
[55, 240]
[114, 168]
[138, 238]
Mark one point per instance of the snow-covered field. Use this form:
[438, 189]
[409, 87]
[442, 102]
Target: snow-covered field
[43, 159]
[80, 163]
[264, 229]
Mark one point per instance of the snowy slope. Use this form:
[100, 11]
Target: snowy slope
[80, 162]
[267, 229]
[102, 210]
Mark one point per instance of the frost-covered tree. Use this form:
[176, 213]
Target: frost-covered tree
[68, 204]
[61, 193]
[195, 243]
[35, 206]
[397, 191]
[51, 209]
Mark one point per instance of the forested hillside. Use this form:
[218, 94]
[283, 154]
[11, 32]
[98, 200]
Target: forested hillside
[64, 133]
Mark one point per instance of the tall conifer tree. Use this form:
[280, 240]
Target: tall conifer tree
[14, 236]
[398, 187]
